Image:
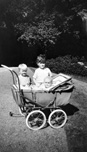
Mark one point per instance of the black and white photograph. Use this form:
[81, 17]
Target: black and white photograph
[43, 75]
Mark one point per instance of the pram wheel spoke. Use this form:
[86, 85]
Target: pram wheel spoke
[36, 120]
[57, 118]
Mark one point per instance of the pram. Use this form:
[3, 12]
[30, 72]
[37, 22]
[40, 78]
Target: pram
[33, 102]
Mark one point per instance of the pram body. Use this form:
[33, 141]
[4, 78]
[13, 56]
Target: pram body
[33, 102]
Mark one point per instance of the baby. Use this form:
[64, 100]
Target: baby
[48, 82]
[24, 79]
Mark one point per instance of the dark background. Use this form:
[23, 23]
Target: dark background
[13, 52]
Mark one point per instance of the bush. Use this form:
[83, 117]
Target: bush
[66, 64]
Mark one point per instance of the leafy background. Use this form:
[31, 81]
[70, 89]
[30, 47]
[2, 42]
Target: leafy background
[30, 27]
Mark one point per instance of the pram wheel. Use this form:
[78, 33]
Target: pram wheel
[57, 118]
[36, 120]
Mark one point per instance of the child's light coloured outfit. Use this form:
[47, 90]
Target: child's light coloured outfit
[41, 74]
[24, 80]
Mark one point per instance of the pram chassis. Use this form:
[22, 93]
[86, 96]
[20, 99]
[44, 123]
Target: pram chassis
[34, 111]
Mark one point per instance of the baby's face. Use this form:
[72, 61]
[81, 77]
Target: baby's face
[47, 83]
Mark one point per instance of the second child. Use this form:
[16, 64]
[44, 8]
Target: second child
[41, 72]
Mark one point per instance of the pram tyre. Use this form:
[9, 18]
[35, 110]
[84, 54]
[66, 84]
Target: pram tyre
[57, 118]
[36, 120]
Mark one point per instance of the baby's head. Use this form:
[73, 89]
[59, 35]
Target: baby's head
[41, 60]
[22, 69]
[48, 82]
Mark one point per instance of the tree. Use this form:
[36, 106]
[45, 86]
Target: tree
[42, 31]
[48, 24]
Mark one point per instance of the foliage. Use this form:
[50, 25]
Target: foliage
[43, 32]
[54, 26]
[43, 22]
[67, 64]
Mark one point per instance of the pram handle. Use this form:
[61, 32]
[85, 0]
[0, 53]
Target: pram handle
[13, 73]
[4, 66]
